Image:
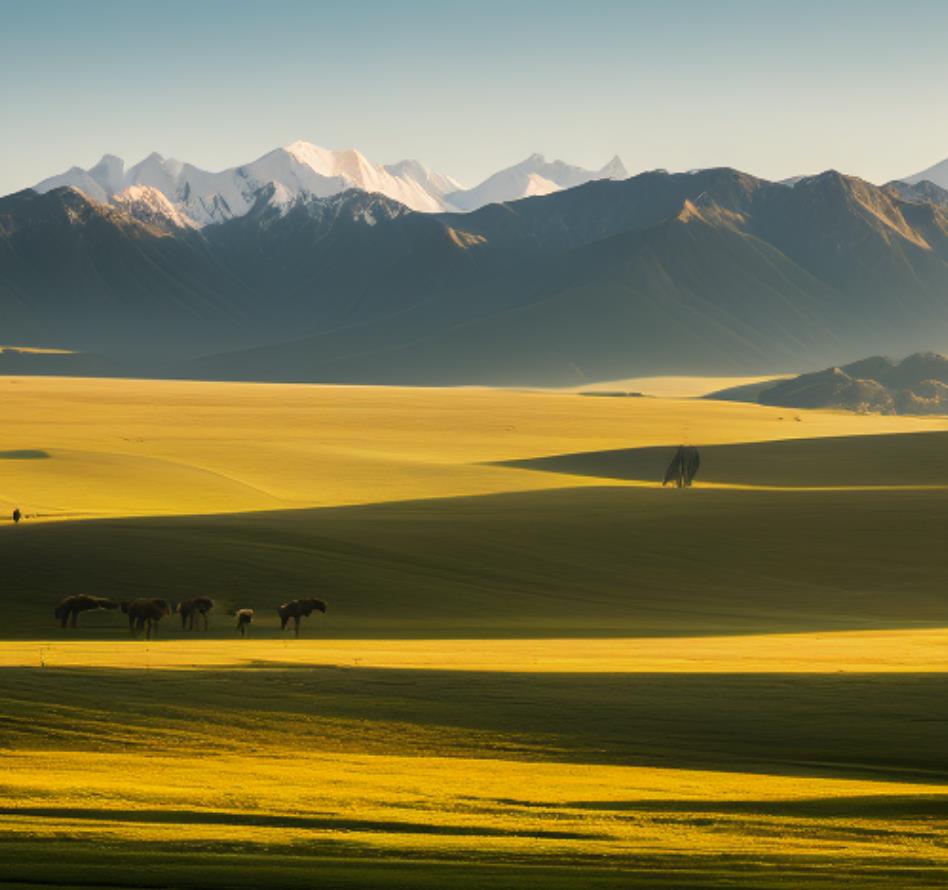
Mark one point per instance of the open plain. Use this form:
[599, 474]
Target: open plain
[538, 667]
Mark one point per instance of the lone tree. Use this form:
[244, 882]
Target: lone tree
[17, 515]
[683, 468]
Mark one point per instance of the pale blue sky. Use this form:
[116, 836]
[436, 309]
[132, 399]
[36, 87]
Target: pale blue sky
[772, 88]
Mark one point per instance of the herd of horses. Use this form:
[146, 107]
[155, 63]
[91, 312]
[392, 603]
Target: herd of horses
[145, 613]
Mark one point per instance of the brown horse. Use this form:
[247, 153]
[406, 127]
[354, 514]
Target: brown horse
[244, 618]
[68, 610]
[145, 613]
[192, 608]
[297, 609]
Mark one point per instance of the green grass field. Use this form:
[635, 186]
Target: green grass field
[538, 668]
[567, 562]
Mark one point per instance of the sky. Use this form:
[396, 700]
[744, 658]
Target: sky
[773, 88]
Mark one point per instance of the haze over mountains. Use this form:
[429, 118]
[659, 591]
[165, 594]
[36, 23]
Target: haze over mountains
[709, 272]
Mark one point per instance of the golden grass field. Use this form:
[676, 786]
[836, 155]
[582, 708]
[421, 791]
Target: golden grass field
[538, 669]
[129, 448]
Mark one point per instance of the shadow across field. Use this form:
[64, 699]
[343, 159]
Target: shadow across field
[598, 561]
[882, 807]
[874, 725]
[71, 864]
[919, 459]
[25, 454]
[264, 820]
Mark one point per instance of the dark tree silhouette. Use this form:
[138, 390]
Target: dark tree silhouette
[67, 612]
[193, 608]
[297, 609]
[17, 515]
[244, 619]
[145, 614]
[684, 467]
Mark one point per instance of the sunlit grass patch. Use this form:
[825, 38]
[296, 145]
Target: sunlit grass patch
[871, 651]
[461, 808]
[138, 447]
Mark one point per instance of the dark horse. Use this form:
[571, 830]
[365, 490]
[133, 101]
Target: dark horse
[192, 608]
[68, 610]
[683, 468]
[297, 609]
[145, 613]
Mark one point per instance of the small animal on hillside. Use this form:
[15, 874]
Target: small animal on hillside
[683, 468]
[297, 609]
[17, 515]
[191, 609]
[244, 620]
[67, 612]
[145, 614]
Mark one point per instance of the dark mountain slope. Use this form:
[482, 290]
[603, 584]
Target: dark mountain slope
[601, 209]
[862, 242]
[924, 191]
[77, 273]
[709, 272]
[717, 296]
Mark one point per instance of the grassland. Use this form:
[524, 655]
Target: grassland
[538, 668]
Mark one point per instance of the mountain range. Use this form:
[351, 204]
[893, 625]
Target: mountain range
[709, 272]
[200, 198]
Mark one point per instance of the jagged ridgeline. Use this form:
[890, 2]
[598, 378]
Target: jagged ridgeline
[713, 272]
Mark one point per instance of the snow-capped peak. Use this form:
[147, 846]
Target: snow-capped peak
[149, 205]
[533, 176]
[303, 170]
[351, 169]
[436, 183]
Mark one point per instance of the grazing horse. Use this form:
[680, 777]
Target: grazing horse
[145, 613]
[297, 609]
[190, 609]
[244, 618]
[68, 610]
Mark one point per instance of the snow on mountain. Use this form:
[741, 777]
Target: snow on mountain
[297, 169]
[534, 176]
[77, 178]
[198, 197]
[434, 183]
[324, 173]
[937, 174]
[149, 205]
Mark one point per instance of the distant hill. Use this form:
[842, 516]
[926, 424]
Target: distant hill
[709, 272]
[915, 385]
[51, 362]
